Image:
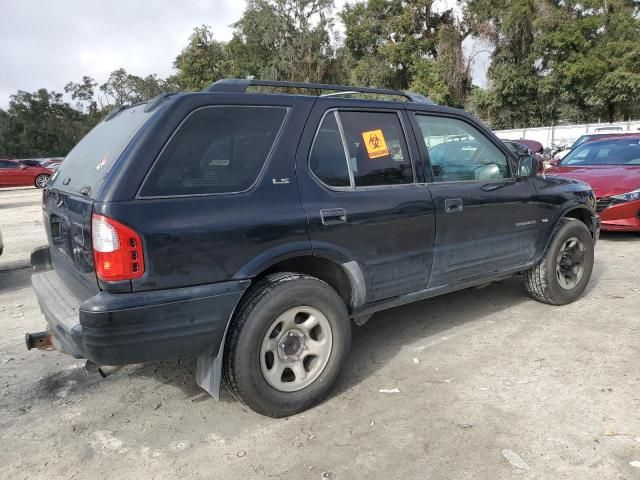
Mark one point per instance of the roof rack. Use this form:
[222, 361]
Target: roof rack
[237, 85]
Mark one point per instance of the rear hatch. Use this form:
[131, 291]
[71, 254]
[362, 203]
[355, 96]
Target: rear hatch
[70, 195]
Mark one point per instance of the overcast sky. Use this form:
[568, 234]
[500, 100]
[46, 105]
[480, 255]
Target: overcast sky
[47, 43]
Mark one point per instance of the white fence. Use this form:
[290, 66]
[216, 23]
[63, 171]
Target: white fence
[567, 134]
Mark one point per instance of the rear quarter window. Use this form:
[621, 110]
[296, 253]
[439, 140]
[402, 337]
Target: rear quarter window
[217, 149]
[88, 164]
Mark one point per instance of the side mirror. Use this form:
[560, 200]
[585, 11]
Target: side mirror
[22, 166]
[527, 166]
[554, 162]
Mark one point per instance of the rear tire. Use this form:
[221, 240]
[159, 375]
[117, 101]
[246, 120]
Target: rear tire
[565, 269]
[273, 332]
[41, 180]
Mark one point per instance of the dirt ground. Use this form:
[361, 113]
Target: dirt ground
[469, 377]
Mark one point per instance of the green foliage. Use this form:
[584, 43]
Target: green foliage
[39, 124]
[406, 44]
[552, 61]
[123, 88]
[558, 60]
[203, 61]
[284, 40]
[42, 124]
[274, 39]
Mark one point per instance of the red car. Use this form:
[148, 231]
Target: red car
[13, 173]
[531, 147]
[612, 167]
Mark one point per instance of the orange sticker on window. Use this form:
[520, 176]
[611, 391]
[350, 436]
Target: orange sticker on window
[375, 144]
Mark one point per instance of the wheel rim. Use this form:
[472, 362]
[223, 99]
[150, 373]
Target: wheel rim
[296, 349]
[41, 181]
[570, 263]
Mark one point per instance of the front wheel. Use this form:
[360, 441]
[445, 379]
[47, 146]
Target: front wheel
[565, 270]
[286, 344]
[41, 180]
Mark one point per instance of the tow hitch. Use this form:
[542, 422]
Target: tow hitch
[40, 340]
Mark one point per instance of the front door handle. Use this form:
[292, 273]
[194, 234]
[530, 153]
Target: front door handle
[453, 205]
[332, 216]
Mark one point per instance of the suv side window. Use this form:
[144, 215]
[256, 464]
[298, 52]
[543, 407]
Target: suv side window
[377, 148]
[459, 152]
[375, 144]
[328, 160]
[219, 149]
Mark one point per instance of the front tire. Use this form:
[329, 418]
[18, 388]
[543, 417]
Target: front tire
[286, 344]
[41, 180]
[564, 272]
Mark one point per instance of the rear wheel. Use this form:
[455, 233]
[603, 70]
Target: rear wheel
[41, 180]
[286, 344]
[565, 270]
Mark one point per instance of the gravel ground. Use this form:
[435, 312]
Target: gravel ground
[479, 384]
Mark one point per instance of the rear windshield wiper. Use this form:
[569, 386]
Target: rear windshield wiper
[85, 191]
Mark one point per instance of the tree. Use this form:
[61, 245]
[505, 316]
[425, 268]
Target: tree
[42, 124]
[202, 61]
[84, 94]
[407, 44]
[144, 89]
[126, 89]
[118, 87]
[39, 124]
[559, 60]
[284, 40]
[514, 78]
[592, 53]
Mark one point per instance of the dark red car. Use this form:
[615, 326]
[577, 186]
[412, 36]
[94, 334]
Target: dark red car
[612, 167]
[526, 147]
[14, 173]
[533, 145]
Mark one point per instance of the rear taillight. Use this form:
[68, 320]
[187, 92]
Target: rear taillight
[117, 250]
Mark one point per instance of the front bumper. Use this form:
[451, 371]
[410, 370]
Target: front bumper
[120, 329]
[622, 217]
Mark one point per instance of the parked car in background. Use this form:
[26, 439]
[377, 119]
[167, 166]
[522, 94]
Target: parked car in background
[533, 145]
[14, 173]
[30, 162]
[520, 148]
[52, 163]
[611, 166]
[582, 139]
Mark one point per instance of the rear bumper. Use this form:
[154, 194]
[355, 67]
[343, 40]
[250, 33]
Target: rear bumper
[622, 217]
[119, 329]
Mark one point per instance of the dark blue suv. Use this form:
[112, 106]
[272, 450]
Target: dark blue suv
[249, 228]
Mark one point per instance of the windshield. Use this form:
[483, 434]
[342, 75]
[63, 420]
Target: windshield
[580, 141]
[605, 152]
[90, 161]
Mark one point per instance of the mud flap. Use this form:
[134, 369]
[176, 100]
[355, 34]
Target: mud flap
[209, 372]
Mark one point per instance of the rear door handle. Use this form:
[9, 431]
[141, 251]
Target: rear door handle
[332, 216]
[453, 205]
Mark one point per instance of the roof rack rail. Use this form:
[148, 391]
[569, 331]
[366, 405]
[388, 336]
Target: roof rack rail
[237, 85]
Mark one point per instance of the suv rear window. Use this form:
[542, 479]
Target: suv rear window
[219, 149]
[88, 164]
